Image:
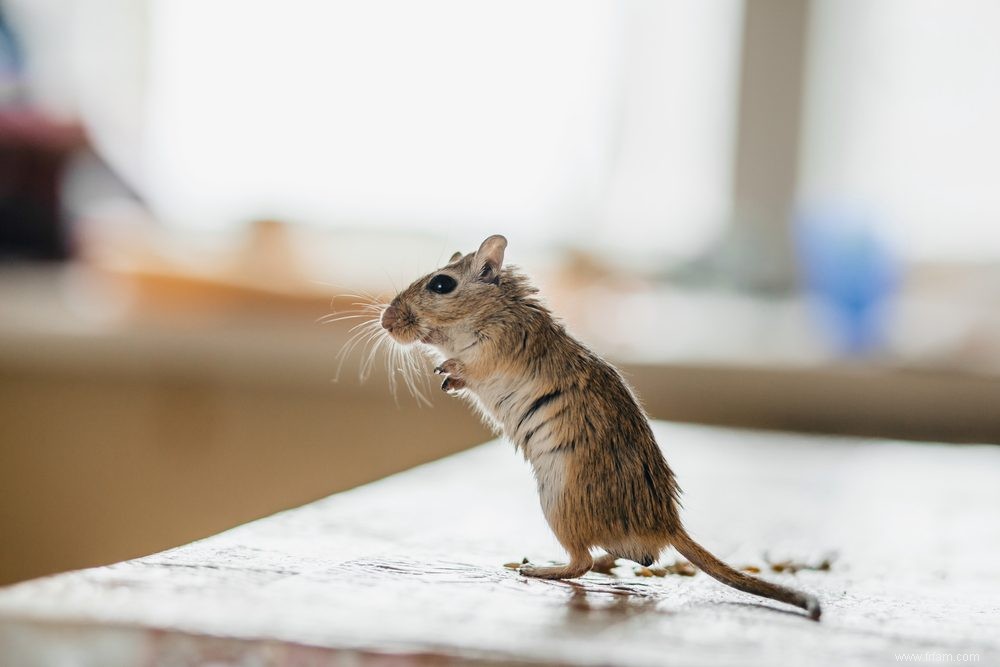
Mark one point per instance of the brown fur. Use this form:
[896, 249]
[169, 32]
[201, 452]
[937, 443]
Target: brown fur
[602, 478]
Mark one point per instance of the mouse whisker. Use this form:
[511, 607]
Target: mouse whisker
[374, 307]
[366, 297]
[356, 338]
[363, 344]
[414, 374]
[401, 361]
[367, 307]
[391, 358]
[368, 323]
[402, 366]
[337, 317]
[376, 340]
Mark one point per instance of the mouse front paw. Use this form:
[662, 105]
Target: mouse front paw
[454, 369]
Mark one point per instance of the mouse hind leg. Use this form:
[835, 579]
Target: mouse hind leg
[580, 562]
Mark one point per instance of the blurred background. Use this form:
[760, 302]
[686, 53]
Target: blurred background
[779, 214]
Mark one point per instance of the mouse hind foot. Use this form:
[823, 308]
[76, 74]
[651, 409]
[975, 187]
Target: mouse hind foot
[579, 565]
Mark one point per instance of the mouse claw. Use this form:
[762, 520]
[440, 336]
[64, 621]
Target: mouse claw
[452, 384]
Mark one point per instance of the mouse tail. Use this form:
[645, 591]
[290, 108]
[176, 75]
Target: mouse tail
[719, 571]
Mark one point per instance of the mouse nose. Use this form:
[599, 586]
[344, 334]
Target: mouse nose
[389, 317]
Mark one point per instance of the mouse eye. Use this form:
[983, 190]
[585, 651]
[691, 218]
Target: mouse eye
[442, 284]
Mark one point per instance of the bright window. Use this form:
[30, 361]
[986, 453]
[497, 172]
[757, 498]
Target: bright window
[605, 122]
[902, 119]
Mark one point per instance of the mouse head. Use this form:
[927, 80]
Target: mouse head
[448, 307]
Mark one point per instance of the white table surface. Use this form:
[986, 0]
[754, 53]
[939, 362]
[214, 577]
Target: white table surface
[409, 570]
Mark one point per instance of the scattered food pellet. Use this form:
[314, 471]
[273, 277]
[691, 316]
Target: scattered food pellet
[681, 568]
[792, 566]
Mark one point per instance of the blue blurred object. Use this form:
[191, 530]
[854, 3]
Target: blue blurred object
[851, 272]
[11, 63]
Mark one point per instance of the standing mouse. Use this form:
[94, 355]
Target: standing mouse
[602, 479]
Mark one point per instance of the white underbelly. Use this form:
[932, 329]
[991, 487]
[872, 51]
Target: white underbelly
[549, 466]
[550, 474]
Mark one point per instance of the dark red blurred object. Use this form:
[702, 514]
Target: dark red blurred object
[34, 151]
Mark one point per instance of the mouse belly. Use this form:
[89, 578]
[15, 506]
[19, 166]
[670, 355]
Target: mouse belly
[550, 475]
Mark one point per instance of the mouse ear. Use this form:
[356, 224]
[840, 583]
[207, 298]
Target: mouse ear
[489, 258]
[454, 258]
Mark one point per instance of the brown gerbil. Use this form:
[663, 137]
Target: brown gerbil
[602, 479]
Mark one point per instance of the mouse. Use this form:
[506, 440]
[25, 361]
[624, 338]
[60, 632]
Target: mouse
[603, 481]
